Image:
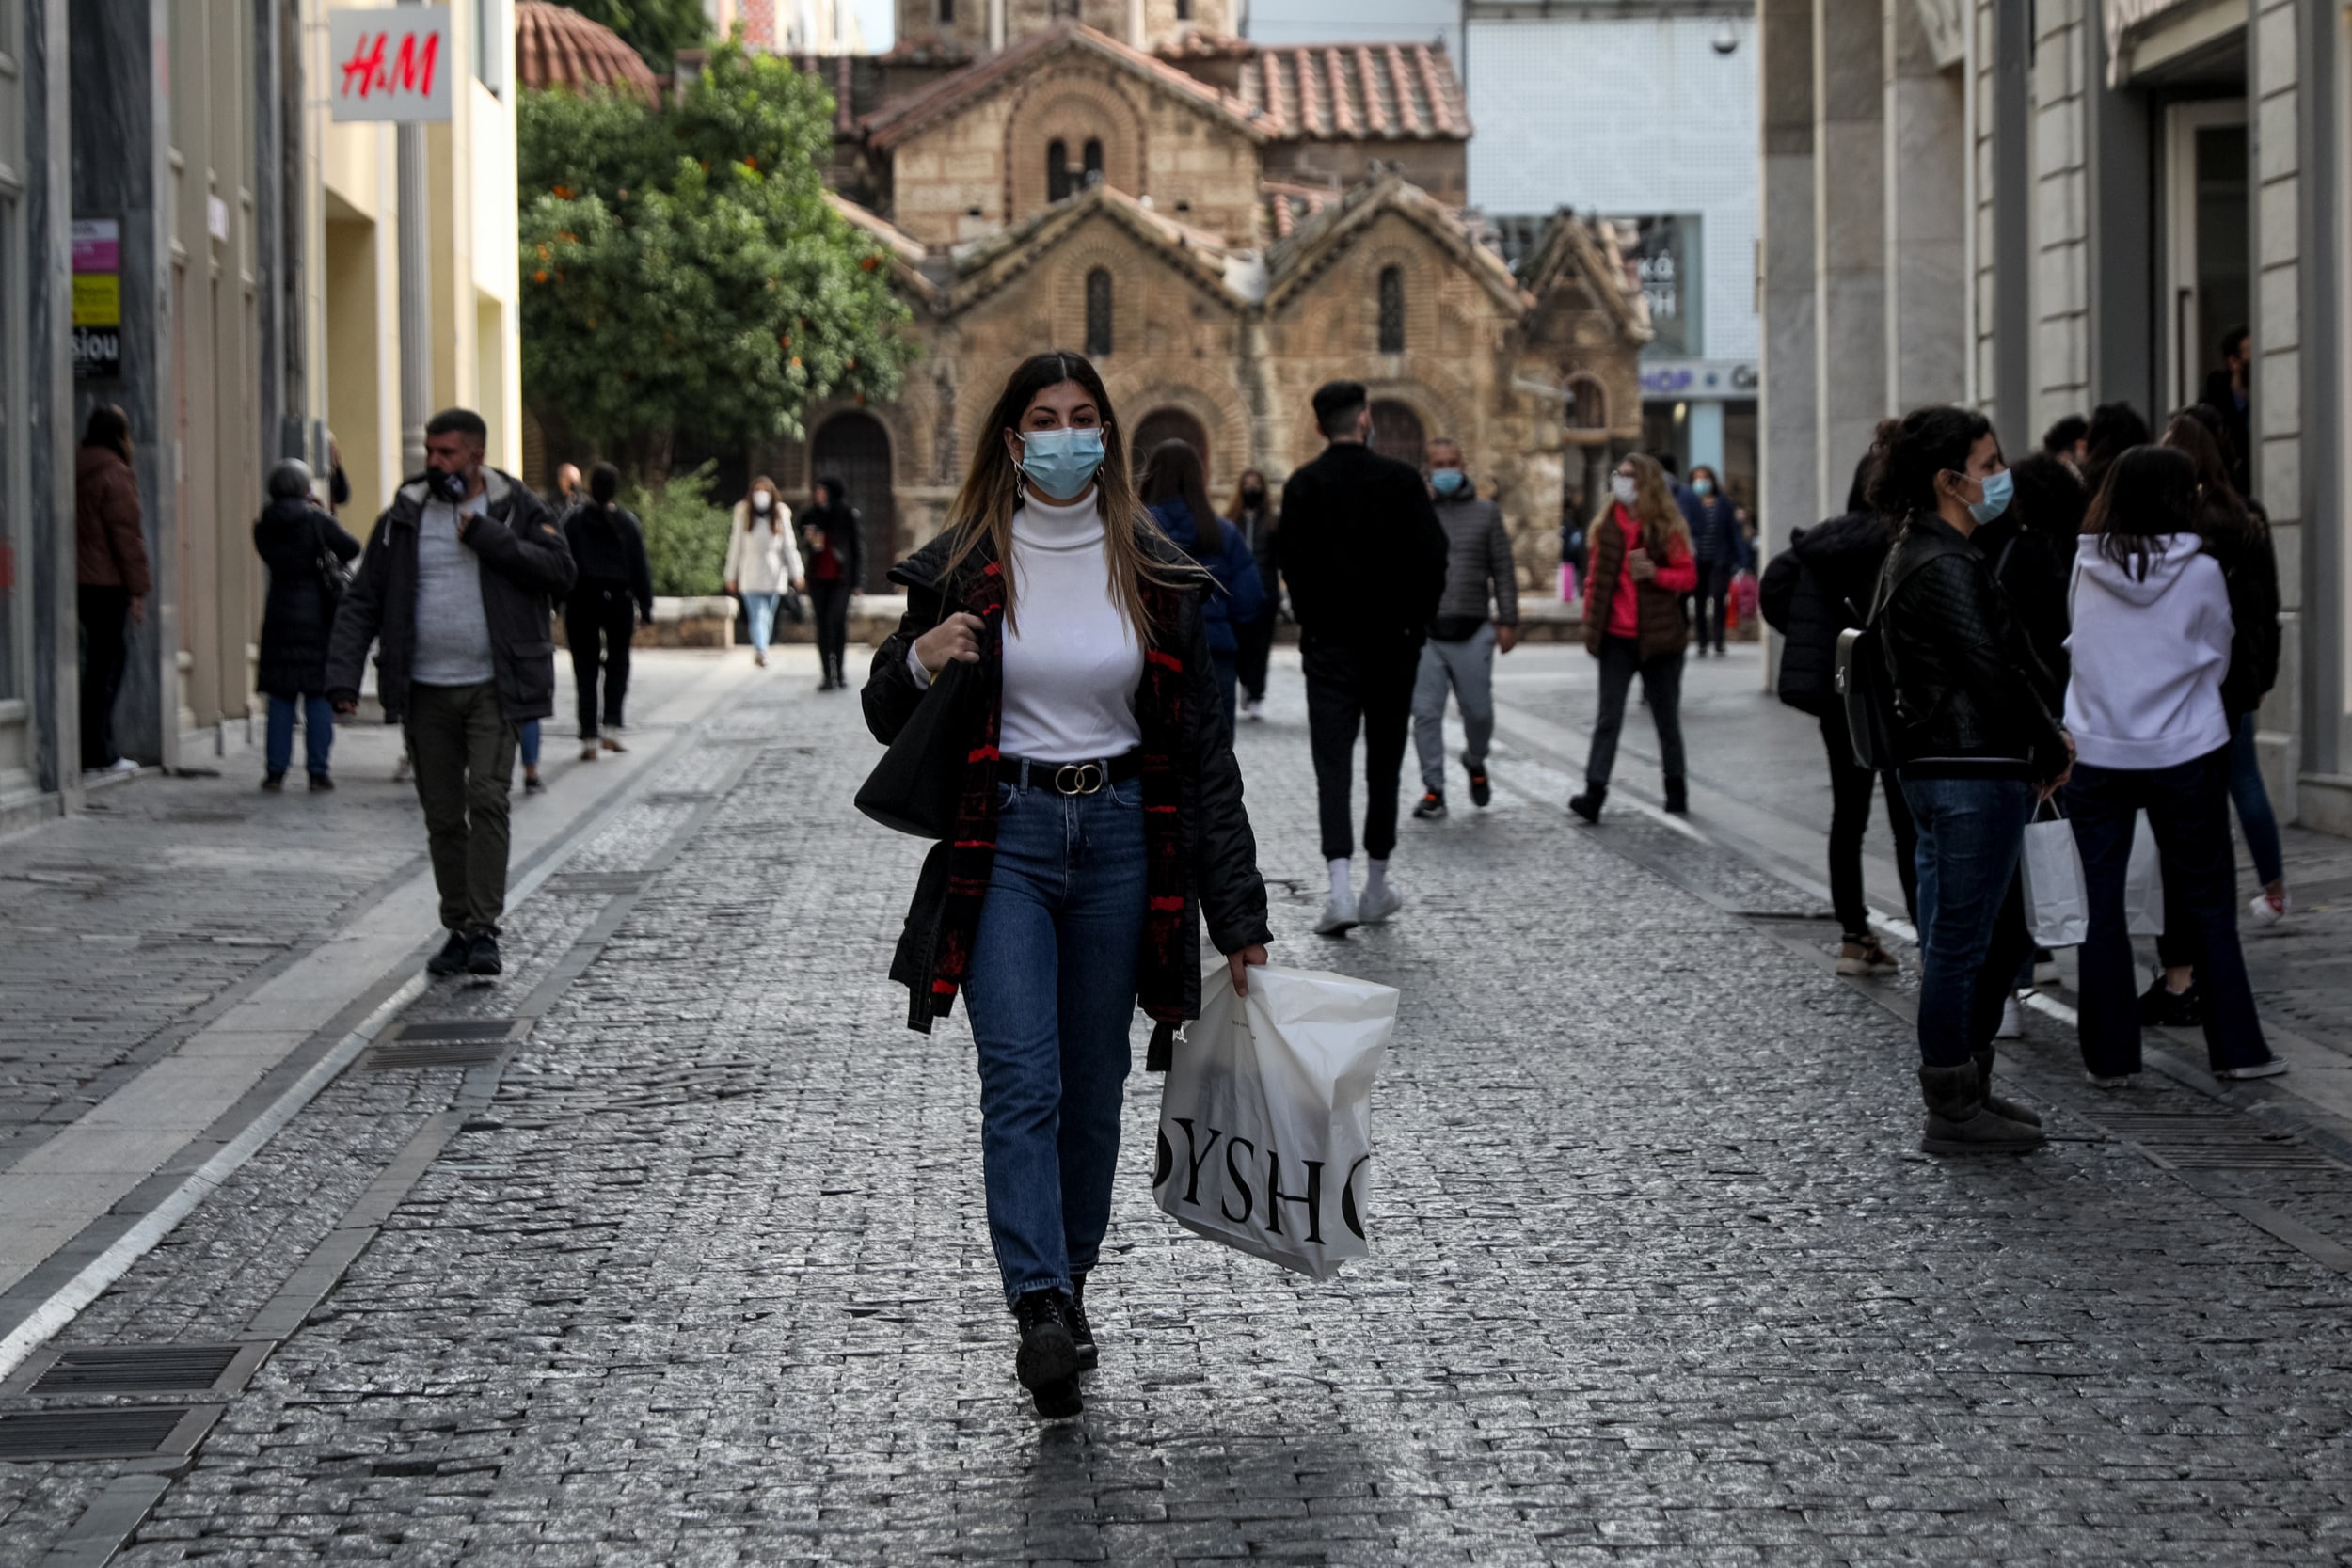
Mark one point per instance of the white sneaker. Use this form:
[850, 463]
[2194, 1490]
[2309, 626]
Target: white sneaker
[2263, 912]
[1339, 916]
[2013, 1022]
[1254, 710]
[1379, 903]
[2270, 1068]
[114, 769]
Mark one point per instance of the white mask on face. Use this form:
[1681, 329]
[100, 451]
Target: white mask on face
[759, 502]
[1623, 487]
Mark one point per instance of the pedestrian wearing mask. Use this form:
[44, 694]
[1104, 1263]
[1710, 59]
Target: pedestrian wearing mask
[1973, 744]
[1365, 560]
[2238, 540]
[1253, 514]
[762, 561]
[111, 578]
[612, 592]
[1637, 568]
[1718, 546]
[1101, 821]
[1811, 594]
[305, 551]
[1478, 617]
[2152, 646]
[1176, 492]
[454, 588]
[832, 545]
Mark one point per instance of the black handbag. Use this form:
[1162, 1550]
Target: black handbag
[334, 576]
[917, 788]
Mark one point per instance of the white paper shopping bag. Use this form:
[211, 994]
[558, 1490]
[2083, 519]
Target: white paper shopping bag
[2057, 905]
[1265, 1122]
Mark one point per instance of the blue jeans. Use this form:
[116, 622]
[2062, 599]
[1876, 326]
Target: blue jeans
[318, 734]
[762, 609]
[1052, 994]
[527, 734]
[2187, 807]
[1970, 834]
[2255, 818]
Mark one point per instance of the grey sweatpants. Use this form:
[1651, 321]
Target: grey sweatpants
[1468, 669]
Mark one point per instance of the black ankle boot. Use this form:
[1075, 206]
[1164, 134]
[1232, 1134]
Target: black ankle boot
[1049, 1353]
[1587, 805]
[1997, 1104]
[1960, 1122]
[1081, 1331]
[1678, 795]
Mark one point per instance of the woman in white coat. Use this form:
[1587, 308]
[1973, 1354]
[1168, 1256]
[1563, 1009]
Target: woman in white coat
[762, 559]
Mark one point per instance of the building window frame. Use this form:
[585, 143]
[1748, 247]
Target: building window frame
[1056, 169]
[1391, 296]
[1586, 403]
[1093, 154]
[1099, 300]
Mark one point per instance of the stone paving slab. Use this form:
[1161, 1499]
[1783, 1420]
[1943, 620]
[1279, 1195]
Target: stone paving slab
[1658, 1275]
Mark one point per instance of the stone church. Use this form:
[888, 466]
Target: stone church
[1222, 226]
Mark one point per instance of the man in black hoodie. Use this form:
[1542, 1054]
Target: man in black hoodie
[1365, 558]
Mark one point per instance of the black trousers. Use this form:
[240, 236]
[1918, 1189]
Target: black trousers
[1849, 787]
[105, 655]
[1661, 683]
[1714, 602]
[830, 602]
[598, 621]
[1368, 687]
[1256, 652]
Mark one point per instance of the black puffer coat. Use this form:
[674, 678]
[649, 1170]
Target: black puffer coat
[1220, 854]
[1814, 590]
[297, 618]
[1966, 702]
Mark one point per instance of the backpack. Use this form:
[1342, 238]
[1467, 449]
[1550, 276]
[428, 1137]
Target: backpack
[1866, 680]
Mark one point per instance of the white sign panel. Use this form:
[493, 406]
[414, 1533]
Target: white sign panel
[390, 63]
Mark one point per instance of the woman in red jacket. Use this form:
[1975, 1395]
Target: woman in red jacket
[1638, 566]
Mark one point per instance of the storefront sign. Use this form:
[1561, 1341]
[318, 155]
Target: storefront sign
[1667, 255]
[1698, 379]
[390, 63]
[96, 299]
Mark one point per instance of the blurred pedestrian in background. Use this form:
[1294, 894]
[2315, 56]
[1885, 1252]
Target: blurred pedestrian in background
[2067, 439]
[2152, 634]
[1812, 592]
[611, 591]
[1718, 546]
[567, 492]
[306, 551]
[1478, 615]
[762, 561]
[2115, 429]
[1253, 514]
[110, 574]
[833, 552]
[1365, 561]
[1176, 492]
[1974, 741]
[1637, 568]
[2230, 393]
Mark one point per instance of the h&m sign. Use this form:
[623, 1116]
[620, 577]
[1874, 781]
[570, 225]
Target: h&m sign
[390, 63]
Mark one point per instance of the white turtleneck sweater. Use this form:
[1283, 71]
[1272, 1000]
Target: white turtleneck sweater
[1071, 662]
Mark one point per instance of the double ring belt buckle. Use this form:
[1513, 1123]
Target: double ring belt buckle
[1078, 778]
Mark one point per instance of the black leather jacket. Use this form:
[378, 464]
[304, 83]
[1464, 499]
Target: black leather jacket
[1965, 704]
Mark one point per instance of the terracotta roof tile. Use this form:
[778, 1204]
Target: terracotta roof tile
[1346, 92]
[557, 47]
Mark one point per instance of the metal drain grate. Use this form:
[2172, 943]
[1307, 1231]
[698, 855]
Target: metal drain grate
[2195, 1141]
[597, 881]
[138, 1368]
[117, 1431]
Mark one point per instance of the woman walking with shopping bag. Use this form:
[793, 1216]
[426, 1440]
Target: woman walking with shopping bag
[762, 559]
[2152, 641]
[1639, 567]
[1100, 819]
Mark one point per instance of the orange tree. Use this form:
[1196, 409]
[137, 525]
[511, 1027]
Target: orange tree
[682, 269]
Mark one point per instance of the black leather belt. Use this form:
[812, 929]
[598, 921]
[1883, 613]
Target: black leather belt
[1069, 778]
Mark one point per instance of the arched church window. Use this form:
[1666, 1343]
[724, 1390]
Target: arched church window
[1094, 160]
[1099, 312]
[1392, 309]
[1183, 11]
[1588, 403]
[1056, 169]
[947, 14]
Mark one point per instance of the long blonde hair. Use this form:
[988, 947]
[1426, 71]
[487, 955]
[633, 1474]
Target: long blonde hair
[983, 508]
[1654, 508]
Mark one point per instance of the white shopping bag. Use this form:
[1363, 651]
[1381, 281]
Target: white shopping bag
[2143, 883]
[1265, 1124]
[2058, 906]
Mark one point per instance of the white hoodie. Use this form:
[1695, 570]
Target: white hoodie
[2149, 654]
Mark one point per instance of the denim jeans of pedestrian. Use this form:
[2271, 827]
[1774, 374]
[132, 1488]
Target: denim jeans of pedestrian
[1052, 995]
[527, 736]
[2256, 821]
[761, 607]
[1465, 669]
[2188, 810]
[318, 734]
[1970, 834]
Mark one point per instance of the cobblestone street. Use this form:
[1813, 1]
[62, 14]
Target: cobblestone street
[682, 1259]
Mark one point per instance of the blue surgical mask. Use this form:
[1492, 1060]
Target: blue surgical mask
[1997, 490]
[1061, 463]
[1704, 486]
[1448, 482]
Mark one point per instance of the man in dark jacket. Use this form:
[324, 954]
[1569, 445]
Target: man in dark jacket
[454, 590]
[1365, 558]
[612, 591]
[1469, 630]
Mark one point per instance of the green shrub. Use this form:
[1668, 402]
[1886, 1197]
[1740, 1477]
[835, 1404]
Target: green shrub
[686, 534]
